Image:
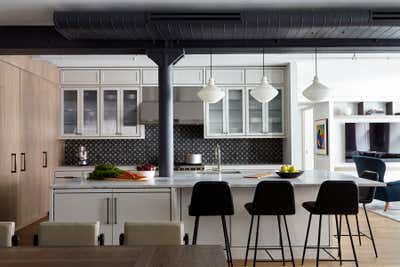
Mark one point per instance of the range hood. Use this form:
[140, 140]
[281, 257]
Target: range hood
[242, 25]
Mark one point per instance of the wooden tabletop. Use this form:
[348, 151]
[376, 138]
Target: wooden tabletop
[145, 256]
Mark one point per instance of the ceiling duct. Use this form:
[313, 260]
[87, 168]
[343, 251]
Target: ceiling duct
[251, 25]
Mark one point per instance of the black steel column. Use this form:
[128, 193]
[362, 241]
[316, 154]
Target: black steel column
[165, 59]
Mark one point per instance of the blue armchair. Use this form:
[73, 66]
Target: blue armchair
[391, 192]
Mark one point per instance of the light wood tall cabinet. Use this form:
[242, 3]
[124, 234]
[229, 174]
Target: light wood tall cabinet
[29, 144]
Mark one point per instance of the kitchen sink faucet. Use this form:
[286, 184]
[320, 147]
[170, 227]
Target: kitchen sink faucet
[218, 157]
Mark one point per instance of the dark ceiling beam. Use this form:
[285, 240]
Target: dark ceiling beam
[36, 40]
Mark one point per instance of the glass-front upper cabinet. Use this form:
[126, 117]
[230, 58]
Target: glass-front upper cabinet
[120, 116]
[80, 112]
[265, 118]
[226, 117]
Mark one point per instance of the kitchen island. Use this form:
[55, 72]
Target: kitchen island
[168, 198]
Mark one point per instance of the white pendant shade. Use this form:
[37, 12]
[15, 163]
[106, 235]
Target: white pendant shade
[317, 92]
[265, 92]
[211, 93]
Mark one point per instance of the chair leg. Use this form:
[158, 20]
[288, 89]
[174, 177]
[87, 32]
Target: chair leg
[339, 239]
[227, 245]
[256, 242]
[370, 231]
[280, 239]
[386, 206]
[305, 243]
[358, 230]
[196, 228]
[351, 240]
[319, 238]
[248, 240]
[288, 237]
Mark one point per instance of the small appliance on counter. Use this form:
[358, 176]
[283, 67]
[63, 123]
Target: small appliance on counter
[83, 156]
[191, 158]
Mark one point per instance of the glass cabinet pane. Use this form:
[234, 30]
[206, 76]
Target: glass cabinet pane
[110, 112]
[216, 118]
[235, 111]
[90, 112]
[70, 111]
[275, 113]
[255, 115]
[130, 112]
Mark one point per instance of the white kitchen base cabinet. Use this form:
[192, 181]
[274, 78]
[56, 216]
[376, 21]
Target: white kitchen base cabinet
[112, 208]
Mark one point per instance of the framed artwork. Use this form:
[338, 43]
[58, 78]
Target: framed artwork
[321, 134]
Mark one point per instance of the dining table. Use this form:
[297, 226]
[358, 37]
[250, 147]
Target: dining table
[114, 256]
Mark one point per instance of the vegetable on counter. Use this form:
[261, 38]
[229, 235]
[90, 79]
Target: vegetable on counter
[146, 167]
[108, 170]
[103, 171]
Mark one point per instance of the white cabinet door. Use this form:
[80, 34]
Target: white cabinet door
[129, 114]
[275, 75]
[90, 112]
[227, 76]
[110, 111]
[188, 76]
[85, 206]
[140, 205]
[79, 77]
[150, 76]
[70, 115]
[120, 76]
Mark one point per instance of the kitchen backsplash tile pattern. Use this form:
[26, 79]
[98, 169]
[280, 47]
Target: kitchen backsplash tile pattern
[187, 138]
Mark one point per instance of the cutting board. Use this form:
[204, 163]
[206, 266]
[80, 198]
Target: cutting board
[260, 175]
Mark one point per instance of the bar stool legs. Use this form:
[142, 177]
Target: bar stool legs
[338, 231]
[351, 240]
[358, 230]
[196, 228]
[305, 243]
[290, 243]
[248, 240]
[370, 231]
[280, 239]
[255, 245]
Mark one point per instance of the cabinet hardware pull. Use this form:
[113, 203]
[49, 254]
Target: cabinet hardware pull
[108, 210]
[44, 164]
[115, 210]
[23, 162]
[13, 163]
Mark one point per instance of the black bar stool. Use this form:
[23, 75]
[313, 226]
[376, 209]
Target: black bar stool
[334, 198]
[366, 196]
[271, 198]
[211, 198]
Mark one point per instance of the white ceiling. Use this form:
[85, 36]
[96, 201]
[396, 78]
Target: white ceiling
[39, 12]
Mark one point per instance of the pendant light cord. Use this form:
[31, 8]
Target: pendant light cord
[316, 63]
[211, 62]
[263, 62]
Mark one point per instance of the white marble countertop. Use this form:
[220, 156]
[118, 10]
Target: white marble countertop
[188, 179]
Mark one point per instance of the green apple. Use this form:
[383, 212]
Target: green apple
[292, 169]
[284, 168]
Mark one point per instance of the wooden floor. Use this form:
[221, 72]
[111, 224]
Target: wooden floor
[386, 231]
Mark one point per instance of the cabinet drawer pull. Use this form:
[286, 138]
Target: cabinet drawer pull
[44, 163]
[115, 210]
[108, 210]
[23, 162]
[13, 163]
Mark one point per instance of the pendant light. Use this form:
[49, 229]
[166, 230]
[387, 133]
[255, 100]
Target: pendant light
[211, 93]
[317, 92]
[265, 92]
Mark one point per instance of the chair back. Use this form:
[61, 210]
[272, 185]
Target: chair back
[66, 234]
[153, 233]
[211, 198]
[367, 194]
[364, 163]
[337, 197]
[273, 198]
[7, 230]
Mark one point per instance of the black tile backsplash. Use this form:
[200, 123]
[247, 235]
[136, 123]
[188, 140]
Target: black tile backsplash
[187, 138]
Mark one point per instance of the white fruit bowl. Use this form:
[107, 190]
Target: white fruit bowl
[147, 174]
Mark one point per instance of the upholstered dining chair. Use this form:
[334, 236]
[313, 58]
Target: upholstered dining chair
[69, 234]
[391, 192]
[7, 235]
[152, 233]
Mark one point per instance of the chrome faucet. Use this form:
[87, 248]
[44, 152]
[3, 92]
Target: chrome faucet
[218, 157]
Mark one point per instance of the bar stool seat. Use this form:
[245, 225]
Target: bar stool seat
[212, 198]
[271, 198]
[309, 206]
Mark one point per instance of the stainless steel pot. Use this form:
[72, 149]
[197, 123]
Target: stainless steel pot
[193, 158]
